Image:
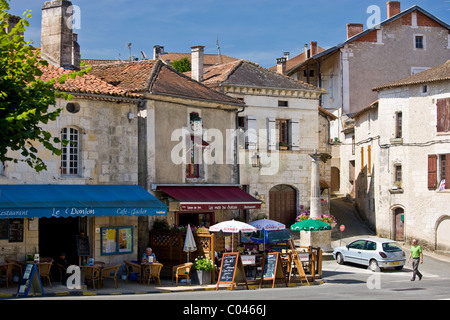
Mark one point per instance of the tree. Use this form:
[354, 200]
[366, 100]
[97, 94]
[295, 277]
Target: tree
[182, 65]
[25, 99]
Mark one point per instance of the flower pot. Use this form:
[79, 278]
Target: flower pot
[200, 277]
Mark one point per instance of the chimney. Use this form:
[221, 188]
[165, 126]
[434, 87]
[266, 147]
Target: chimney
[157, 51]
[393, 8]
[287, 55]
[353, 29]
[197, 63]
[57, 40]
[313, 48]
[281, 66]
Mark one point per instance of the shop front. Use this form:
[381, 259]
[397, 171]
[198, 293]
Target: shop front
[84, 221]
[205, 205]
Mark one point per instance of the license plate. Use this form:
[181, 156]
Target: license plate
[395, 263]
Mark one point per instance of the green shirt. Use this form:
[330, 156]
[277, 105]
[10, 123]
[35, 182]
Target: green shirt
[416, 251]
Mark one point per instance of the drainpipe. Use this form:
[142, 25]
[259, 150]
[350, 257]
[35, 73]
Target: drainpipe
[236, 154]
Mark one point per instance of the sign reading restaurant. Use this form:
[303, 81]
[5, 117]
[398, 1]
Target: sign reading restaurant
[75, 212]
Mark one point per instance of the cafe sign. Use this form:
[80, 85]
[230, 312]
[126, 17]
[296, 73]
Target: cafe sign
[218, 206]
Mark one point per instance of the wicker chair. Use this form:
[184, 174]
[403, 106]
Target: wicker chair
[133, 268]
[44, 271]
[182, 271]
[6, 272]
[18, 267]
[152, 271]
[91, 274]
[109, 273]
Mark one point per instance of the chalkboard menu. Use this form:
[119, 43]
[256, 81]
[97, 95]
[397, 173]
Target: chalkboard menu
[273, 269]
[4, 226]
[16, 230]
[83, 247]
[231, 270]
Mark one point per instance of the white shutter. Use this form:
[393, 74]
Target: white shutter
[252, 133]
[271, 134]
[294, 131]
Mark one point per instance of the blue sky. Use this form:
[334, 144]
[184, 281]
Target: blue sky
[256, 30]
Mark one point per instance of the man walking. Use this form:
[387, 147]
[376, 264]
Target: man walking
[416, 254]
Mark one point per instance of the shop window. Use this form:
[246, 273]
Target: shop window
[116, 240]
[203, 219]
[70, 155]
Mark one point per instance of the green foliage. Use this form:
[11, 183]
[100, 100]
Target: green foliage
[182, 65]
[24, 98]
[204, 264]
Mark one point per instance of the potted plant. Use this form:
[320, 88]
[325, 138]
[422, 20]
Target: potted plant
[202, 270]
[283, 146]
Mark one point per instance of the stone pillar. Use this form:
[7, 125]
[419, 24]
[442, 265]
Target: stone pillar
[315, 186]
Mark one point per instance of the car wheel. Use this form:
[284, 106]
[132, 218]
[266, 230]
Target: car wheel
[339, 258]
[373, 265]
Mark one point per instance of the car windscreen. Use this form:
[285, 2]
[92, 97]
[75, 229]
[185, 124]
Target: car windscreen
[391, 247]
[278, 235]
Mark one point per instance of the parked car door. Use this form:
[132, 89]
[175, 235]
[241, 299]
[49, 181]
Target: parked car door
[369, 252]
[354, 253]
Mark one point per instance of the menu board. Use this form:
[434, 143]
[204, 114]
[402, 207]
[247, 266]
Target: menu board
[273, 269]
[16, 230]
[30, 282]
[231, 270]
[83, 247]
[4, 226]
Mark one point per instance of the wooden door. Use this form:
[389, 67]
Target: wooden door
[283, 204]
[399, 224]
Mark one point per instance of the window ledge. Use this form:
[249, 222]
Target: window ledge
[396, 141]
[395, 191]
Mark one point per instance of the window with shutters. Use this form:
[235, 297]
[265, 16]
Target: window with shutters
[443, 115]
[438, 171]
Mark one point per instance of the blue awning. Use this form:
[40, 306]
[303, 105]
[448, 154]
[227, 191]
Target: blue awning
[29, 201]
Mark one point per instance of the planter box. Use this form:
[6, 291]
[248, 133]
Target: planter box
[200, 277]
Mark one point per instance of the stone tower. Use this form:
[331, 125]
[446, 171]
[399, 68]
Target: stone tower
[58, 42]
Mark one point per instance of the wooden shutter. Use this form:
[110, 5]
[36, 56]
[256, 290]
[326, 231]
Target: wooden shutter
[271, 134]
[443, 115]
[447, 171]
[294, 130]
[432, 171]
[252, 133]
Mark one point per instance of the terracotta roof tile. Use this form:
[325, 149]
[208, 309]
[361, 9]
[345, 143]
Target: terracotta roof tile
[208, 59]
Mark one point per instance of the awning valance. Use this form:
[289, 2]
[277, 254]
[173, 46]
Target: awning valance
[193, 198]
[28, 201]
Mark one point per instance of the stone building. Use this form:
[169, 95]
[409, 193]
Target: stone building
[407, 42]
[401, 156]
[279, 127]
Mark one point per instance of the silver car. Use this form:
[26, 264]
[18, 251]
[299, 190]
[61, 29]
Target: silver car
[372, 252]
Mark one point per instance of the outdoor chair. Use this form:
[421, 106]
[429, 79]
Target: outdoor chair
[91, 274]
[18, 267]
[109, 273]
[132, 268]
[6, 272]
[152, 271]
[182, 271]
[44, 271]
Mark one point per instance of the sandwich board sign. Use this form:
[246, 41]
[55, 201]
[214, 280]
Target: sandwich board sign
[30, 282]
[272, 269]
[231, 270]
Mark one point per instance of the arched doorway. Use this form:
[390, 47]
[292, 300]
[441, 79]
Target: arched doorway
[443, 234]
[283, 204]
[399, 224]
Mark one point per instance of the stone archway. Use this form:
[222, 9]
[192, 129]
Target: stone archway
[443, 233]
[399, 224]
[283, 204]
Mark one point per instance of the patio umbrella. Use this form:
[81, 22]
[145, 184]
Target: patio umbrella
[310, 225]
[267, 225]
[189, 242]
[232, 226]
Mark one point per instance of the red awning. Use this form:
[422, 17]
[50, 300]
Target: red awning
[211, 198]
